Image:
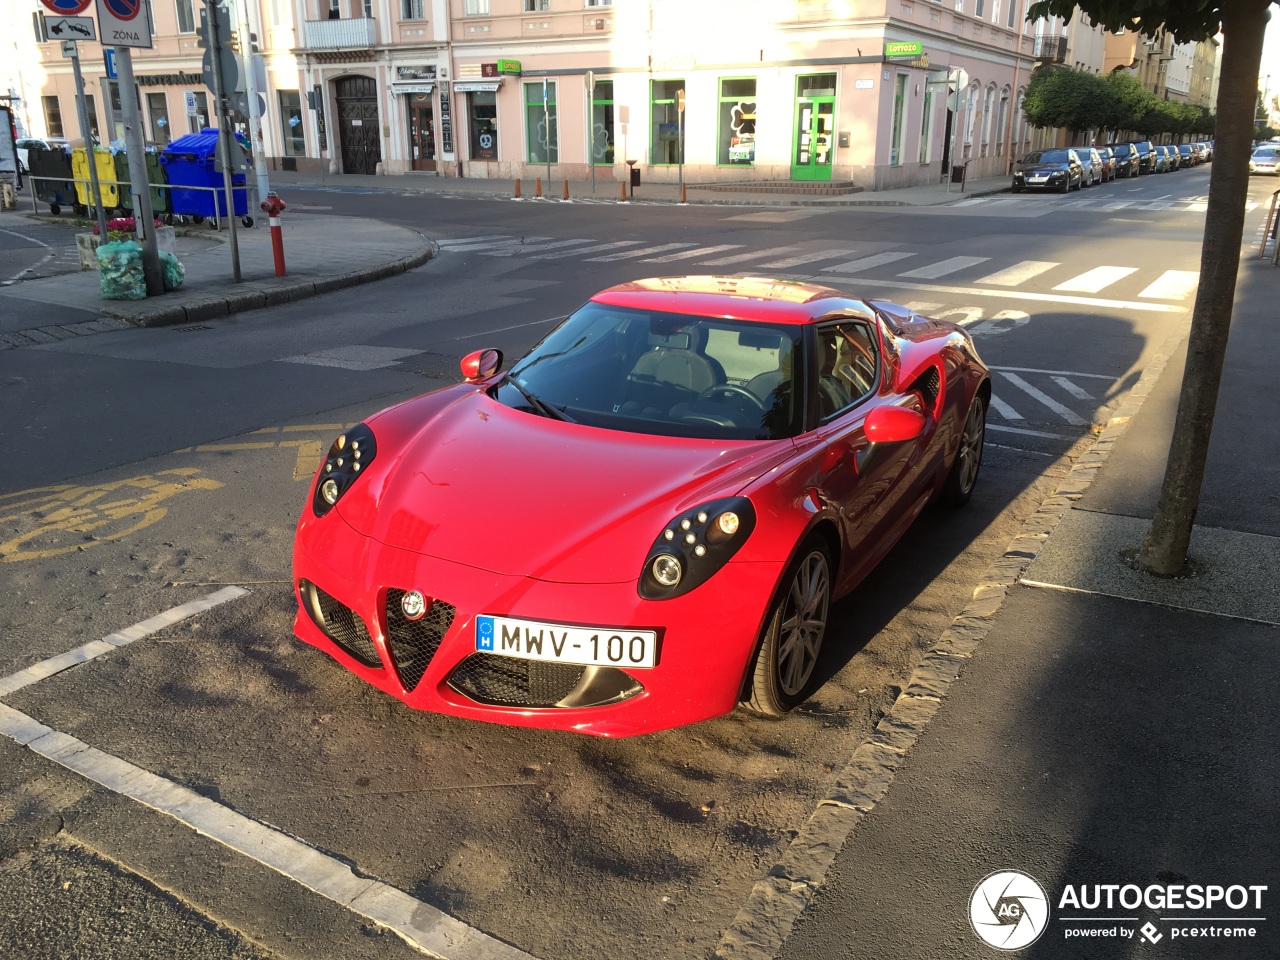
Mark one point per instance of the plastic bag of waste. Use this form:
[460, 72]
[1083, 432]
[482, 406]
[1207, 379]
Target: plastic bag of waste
[173, 270]
[120, 271]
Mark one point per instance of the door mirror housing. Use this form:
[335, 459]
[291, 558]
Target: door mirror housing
[893, 425]
[481, 363]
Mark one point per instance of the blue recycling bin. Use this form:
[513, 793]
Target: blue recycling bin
[190, 162]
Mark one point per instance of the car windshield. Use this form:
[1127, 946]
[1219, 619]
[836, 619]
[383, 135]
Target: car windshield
[1047, 156]
[1266, 153]
[669, 374]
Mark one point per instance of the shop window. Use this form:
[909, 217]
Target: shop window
[602, 148]
[737, 122]
[540, 122]
[665, 144]
[52, 117]
[484, 125]
[291, 124]
[926, 124]
[201, 119]
[899, 109]
[158, 108]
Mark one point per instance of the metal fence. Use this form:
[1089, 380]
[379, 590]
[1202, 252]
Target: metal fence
[216, 219]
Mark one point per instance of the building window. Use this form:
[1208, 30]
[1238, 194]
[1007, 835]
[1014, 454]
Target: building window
[536, 6]
[665, 145]
[158, 108]
[926, 124]
[484, 125]
[201, 119]
[92, 109]
[186, 20]
[52, 117]
[602, 123]
[899, 109]
[599, 3]
[476, 8]
[367, 6]
[291, 124]
[540, 122]
[978, 6]
[988, 107]
[412, 10]
[737, 122]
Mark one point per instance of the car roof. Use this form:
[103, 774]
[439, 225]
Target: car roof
[762, 299]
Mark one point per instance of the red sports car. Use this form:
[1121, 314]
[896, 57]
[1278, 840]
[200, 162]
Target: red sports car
[644, 522]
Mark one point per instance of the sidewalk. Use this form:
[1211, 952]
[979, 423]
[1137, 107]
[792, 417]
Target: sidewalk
[1106, 727]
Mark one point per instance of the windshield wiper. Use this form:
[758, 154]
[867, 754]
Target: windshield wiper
[538, 404]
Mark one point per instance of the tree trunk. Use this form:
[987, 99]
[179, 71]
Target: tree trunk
[1164, 548]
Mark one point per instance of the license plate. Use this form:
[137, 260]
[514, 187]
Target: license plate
[560, 643]
[1036, 179]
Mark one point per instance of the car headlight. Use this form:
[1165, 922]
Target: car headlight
[348, 457]
[694, 545]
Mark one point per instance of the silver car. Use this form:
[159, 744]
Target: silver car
[1266, 159]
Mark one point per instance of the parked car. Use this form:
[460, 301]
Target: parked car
[1058, 169]
[1186, 155]
[733, 451]
[1266, 159]
[1091, 162]
[1109, 163]
[1206, 148]
[1168, 158]
[1127, 159]
[1146, 156]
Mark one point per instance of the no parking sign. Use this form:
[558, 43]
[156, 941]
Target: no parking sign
[122, 23]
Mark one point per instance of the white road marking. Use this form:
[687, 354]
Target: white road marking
[687, 254]
[639, 253]
[1001, 446]
[943, 267]
[35, 266]
[1006, 412]
[866, 263]
[1023, 432]
[1119, 205]
[1064, 373]
[96, 648]
[1091, 281]
[420, 924]
[515, 243]
[1018, 273]
[468, 241]
[511, 251]
[1173, 285]
[1078, 392]
[754, 255]
[596, 249]
[1021, 295]
[806, 258]
[1066, 414]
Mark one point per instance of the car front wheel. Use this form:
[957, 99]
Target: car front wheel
[793, 634]
[963, 477]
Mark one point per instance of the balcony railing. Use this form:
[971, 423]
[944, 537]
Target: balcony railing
[1051, 49]
[348, 33]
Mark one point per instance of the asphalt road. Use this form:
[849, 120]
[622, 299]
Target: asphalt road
[156, 467]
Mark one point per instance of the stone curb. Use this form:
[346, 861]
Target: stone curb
[778, 900]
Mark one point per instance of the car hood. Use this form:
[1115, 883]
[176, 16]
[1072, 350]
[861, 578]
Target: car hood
[1048, 166]
[477, 483]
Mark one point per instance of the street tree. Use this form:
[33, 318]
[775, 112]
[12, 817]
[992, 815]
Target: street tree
[1242, 23]
[1068, 98]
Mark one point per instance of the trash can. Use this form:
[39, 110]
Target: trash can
[106, 167]
[155, 175]
[51, 177]
[190, 161]
[957, 172]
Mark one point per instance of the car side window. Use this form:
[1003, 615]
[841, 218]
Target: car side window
[848, 366]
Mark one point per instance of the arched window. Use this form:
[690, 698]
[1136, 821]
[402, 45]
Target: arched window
[988, 108]
[971, 113]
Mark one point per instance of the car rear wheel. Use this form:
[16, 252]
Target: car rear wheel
[963, 477]
[793, 634]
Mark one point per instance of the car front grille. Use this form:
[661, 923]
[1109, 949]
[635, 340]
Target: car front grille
[414, 642]
[507, 681]
[340, 624]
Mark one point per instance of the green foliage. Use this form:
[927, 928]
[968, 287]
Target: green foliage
[1073, 99]
[1188, 20]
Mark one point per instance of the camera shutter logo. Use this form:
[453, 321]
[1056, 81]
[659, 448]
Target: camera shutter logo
[1009, 910]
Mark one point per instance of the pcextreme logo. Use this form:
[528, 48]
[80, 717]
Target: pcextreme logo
[1010, 910]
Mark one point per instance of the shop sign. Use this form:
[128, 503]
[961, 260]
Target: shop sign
[903, 50]
[446, 123]
[511, 67]
[426, 71]
[476, 86]
[400, 88]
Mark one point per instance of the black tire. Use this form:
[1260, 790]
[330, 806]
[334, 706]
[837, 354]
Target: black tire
[55, 209]
[793, 633]
[1066, 186]
[963, 476]
[247, 221]
[197, 218]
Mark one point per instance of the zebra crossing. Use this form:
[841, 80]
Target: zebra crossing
[1194, 204]
[1168, 286]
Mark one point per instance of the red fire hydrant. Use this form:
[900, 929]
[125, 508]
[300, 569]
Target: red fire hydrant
[272, 207]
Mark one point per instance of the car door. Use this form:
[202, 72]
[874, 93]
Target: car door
[863, 481]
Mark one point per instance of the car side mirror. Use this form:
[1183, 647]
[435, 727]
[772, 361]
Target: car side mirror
[481, 363]
[893, 425]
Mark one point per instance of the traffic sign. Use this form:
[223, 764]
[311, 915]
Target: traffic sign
[109, 59]
[70, 28]
[232, 78]
[192, 107]
[69, 51]
[125, 23]
[66, 8]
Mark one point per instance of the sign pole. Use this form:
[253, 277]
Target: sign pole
[255, 108]
[82, 108]
[143, 214]
[225, 136]
[591, 130]
[546, 119]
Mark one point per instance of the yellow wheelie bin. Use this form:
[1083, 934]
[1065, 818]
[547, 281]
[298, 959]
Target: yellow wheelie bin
[106, 166]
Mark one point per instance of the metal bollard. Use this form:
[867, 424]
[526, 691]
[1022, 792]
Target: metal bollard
[538, 189]
[566, 191]
[622, 192]
[517, 190]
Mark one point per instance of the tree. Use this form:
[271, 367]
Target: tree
[1242, 23]
[1065, 97]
